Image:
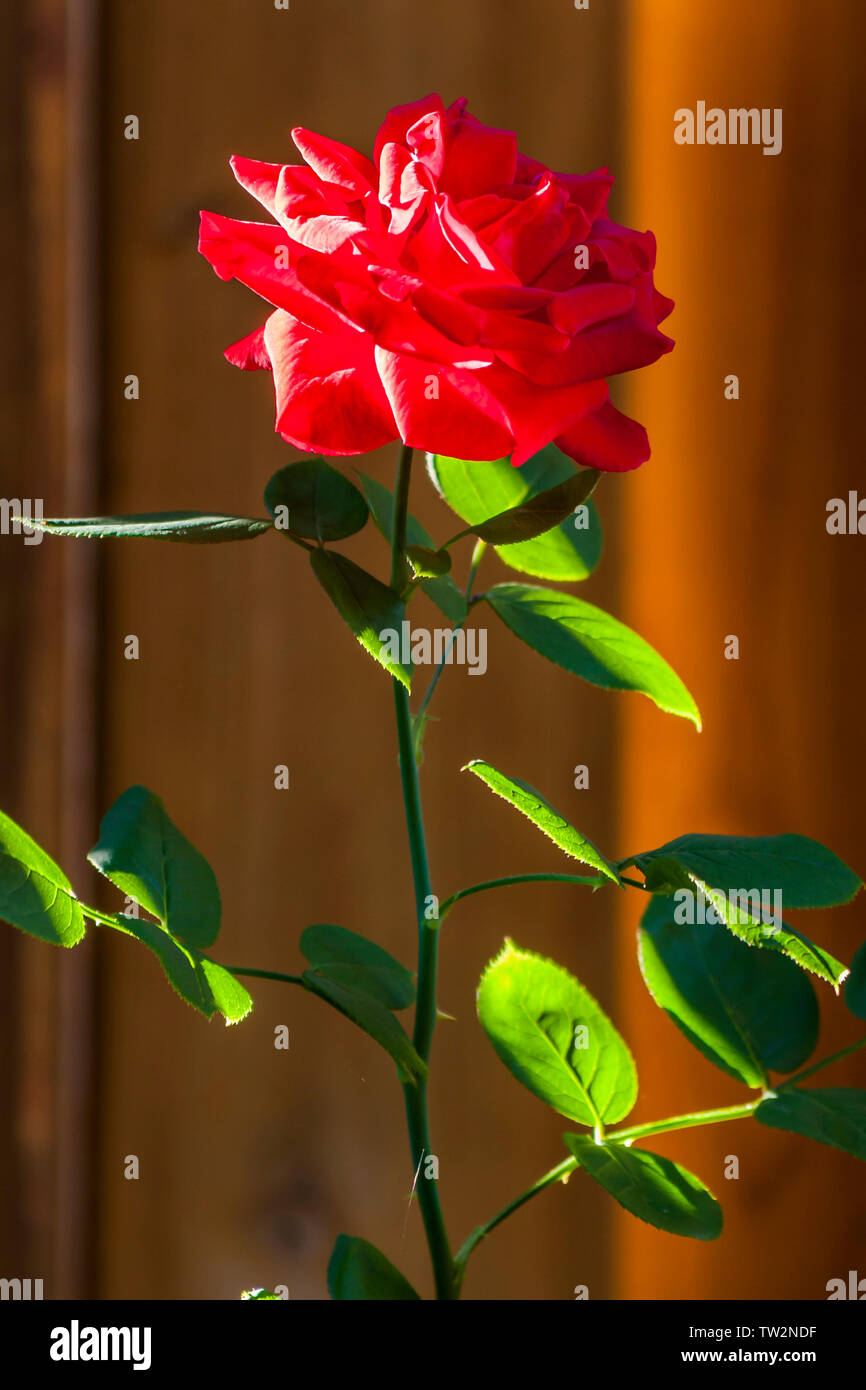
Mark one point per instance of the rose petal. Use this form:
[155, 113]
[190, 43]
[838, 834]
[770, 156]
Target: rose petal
[607, 440]
[329, 397]
[442, 409]
[249, 353]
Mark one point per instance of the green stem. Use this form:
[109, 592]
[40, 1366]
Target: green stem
[265, 974]
[105, 918]
[557, 1174]
[595, 882]
[619, 1136]
[400, 576]
[428, 934]
[819, 1066]
[690, 1121]
[477, 556]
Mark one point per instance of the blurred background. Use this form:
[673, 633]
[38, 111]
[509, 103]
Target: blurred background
[252, 1160]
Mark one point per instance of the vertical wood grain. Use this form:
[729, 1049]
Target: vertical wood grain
[253, 1160]
[725, 534]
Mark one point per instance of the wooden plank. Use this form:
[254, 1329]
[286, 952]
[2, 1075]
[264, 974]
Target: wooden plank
[725, 533]
[253, 1160]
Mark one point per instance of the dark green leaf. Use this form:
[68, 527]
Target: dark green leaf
[35, 894]
[427, 563]
[476, 491]
[357, 1270]
[591, 644]
[353, 961]
[537, 514]
[768, 864]
[144, 854]
[552, 1035]
[652, 1188]
[443, 591]
[855, 985]
[834, 1116]
[205, 985]
[313, 500]
[532, 804]
[749, 1012]
[370, 1015]
[368, 606]
[805, 872]
[196, 528]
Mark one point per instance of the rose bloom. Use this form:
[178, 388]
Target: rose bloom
[451, 292]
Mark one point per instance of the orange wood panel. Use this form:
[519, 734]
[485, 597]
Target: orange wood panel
[725, 534]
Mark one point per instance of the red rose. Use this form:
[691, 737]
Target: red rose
[454, 294]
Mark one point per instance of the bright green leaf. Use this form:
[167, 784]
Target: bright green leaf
[590, 643]
[369, 607]
[532, 804]
[359, 964]
[652, 1188]
[313, 500]
[478, 491]
[205, 985]
[749, 1012]
[552, 1035]
[260, 1296]
[35, 894]
[196, 528]
[834, 1116]
[443, 591]
[144, 854]
[358, 1271]
[427, 563]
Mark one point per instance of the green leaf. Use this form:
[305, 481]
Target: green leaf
[767, 864]
[443, 591]
[313, 500]
[144, 854]
[260, 1296]
[478, 490]
[195, 528]
[357, 1270]
[805, 872]
[373, 1017]
[352, 960]
[368, 606]
[205, 985]
[35, 894]
[552, 1035]
[834, 1116]
[750, 1012]
[652, 1188]
[427, 563]
[590, 643]
[532, 804]
[855, 985]
[538, 514]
